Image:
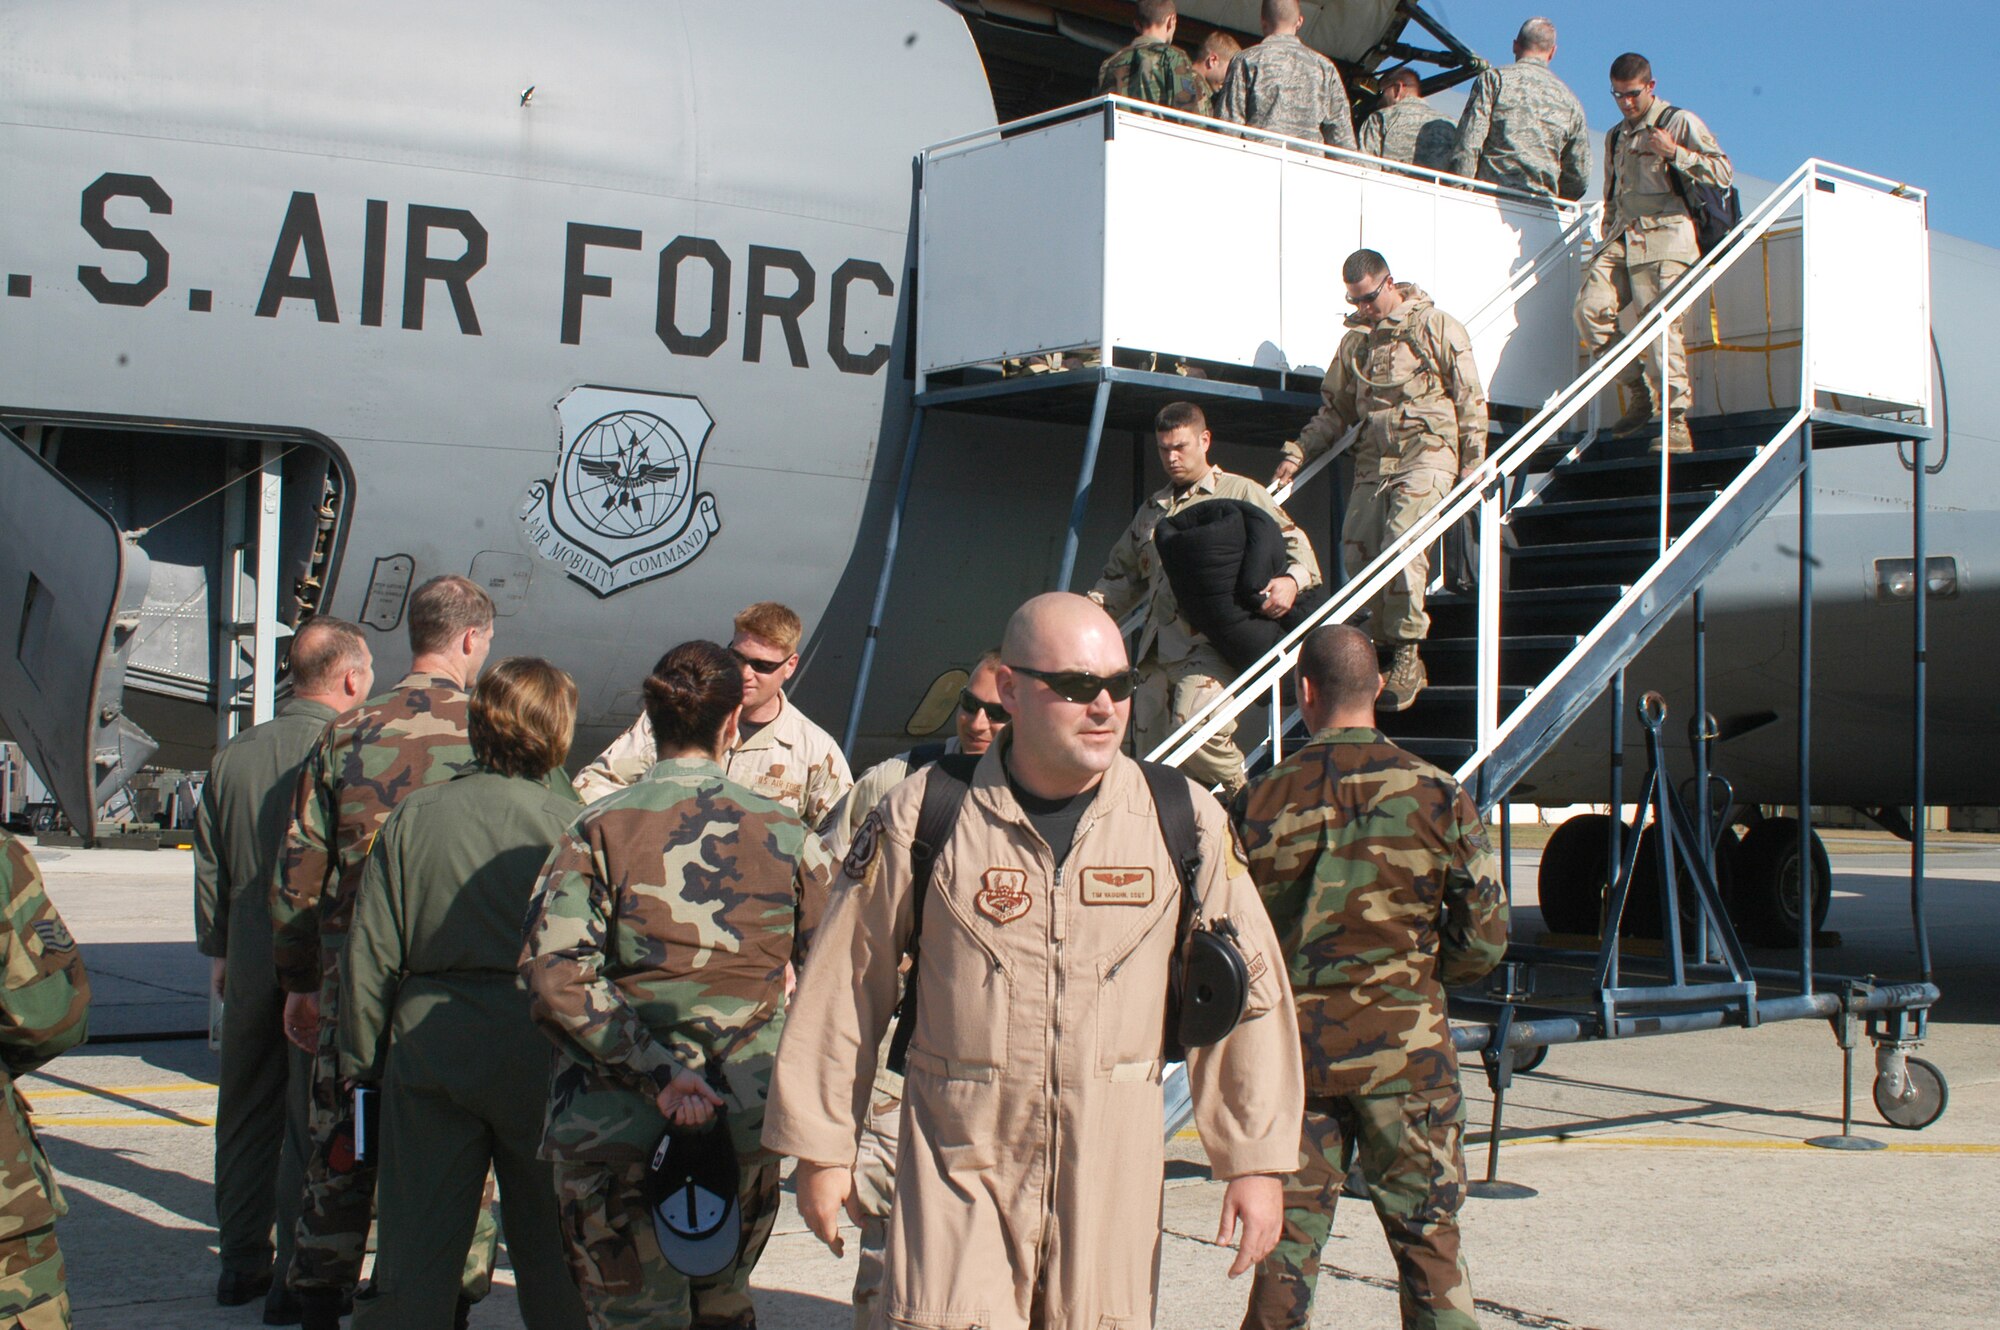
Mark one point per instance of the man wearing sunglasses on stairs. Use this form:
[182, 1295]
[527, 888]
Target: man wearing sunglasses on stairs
[779, 753]
[1180, 670]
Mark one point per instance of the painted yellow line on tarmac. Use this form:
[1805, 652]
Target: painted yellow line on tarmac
[1704, 1143]
[53, 1121]
[37, 1095]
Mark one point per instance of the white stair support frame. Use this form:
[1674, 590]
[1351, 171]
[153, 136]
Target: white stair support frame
[269, 498]
[1798, 191]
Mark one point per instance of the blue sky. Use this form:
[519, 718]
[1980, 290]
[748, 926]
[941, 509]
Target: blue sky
[1895, 89]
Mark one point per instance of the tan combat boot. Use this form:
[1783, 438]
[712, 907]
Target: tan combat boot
[1637, 416]
[1406, 678]
[1679, 440]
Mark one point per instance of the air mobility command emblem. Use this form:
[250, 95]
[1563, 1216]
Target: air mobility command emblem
[1002, 895]
[623, 506]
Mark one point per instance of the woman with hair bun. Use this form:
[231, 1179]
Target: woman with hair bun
[656, 952]
[432, 1011]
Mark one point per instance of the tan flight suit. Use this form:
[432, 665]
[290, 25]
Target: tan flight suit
[790, 760]
[1649, 241]
[1179, 669]
[1410, 382]
[1029, 1182]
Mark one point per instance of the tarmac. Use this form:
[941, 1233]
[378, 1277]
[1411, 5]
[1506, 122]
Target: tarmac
[1673, 1186]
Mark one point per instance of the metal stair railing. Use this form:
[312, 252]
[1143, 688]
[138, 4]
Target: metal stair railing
[1483, 491]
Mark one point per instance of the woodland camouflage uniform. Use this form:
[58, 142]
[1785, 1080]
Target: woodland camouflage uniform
[44, 1009]
[1151, 69]
[369, 759]
[658, 941]
[1523, 128]
[1383, 890]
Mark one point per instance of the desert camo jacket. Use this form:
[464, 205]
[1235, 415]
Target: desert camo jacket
[367, 761]
[1148, 69]
[1523, 128]
[1641, 205]
[657, 940]
[790, 760]
[44, 1009]
[1411, 383]
[1383, 890]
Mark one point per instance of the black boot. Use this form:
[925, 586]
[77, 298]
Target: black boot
[462, 1320]
[237, 1287]
[319, 1309]
[281, 1306]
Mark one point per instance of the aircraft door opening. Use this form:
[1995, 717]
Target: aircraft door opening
[157, 573]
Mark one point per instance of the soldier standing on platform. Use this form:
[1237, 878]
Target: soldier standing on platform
[1405, 128]
[1405, 374]
[1649, 240]
[1150, 68]
[44, 1010]
[261, 1137]
[1382, 890]
[1522, 127]
[411, 736]
[1284, 86]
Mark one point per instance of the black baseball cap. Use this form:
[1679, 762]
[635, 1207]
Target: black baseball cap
[691, 1188]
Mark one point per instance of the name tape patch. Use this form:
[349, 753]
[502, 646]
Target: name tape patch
[1117, 886]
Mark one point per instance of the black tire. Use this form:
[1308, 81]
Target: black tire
[1765, 898]
[1527, 1059]
[1928, 1096]
[1571, 879]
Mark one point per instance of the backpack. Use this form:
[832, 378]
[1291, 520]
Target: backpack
[946, 783]
[1714, 210]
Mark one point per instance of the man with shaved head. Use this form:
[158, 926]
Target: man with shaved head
[260, 1111]
[1284, 86]
[1383, 890]
[1522, 127]
[1029, 1179]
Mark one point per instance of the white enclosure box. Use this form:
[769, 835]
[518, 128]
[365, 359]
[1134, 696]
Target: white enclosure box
[1868, 293]
[1122, 229]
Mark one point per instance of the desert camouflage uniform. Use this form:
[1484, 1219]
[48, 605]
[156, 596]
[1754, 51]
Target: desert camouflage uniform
[44, 1009]
[1410, 131]
[1148, 69]
[1411, 382]
[432, 1012]
[1382, 889]
[789, 759]
[369, 759]
[658, 941]
[1649, 241]
[261, 1137]
[1179, 669]
[1523, 128]
[1284, 86]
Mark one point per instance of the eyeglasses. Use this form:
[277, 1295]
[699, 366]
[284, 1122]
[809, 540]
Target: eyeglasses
[973, 706]
[1631, 96]
[1369, 299]
[1077, 686]
[761, 666]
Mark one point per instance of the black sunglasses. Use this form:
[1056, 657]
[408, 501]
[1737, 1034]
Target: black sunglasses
[1077, 686]
[972, 706]
[1369, 299]
[761, 666]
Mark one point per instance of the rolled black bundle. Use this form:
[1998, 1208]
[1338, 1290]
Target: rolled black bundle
[1218, 556]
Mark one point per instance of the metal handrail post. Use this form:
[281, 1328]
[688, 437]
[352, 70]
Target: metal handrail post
[1616, 829]
[1805, 717]
[1086, 473]
[882, 582]
[1919, 685]
[1698, 733]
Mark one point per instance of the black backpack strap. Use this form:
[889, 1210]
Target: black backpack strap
[946, 782]
[1174, 806]
[924, 754]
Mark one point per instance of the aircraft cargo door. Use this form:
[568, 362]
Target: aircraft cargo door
[71, 586]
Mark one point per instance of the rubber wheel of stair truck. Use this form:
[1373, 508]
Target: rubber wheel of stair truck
[1765, 900]
[1571, 880]
[1527, 1059]
[1925, 1103]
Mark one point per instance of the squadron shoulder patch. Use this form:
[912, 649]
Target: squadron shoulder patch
[1117, 886]
[1003, 894]
[864, 849]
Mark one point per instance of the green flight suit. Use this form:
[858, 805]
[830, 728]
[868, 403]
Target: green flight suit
[44, 1009]
[431, 1010]
[261, 1140]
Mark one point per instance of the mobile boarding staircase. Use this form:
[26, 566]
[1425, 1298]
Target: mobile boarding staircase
[1587, 544]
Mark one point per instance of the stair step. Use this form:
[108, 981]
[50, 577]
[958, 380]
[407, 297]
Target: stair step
[1526, 609]
[1591, 465]
[1446, 711]
[1571, 521]
[1647, 504]
[1637, 477]
[1574, 562]
[1525, 659]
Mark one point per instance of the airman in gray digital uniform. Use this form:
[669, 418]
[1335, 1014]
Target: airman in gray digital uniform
[1406, 128]
[1522, 127]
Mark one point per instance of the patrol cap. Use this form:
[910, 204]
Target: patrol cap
[691, 1188]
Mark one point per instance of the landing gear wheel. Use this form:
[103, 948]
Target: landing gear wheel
[1925, 1102]
[1766, 893]
[1571, 880]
